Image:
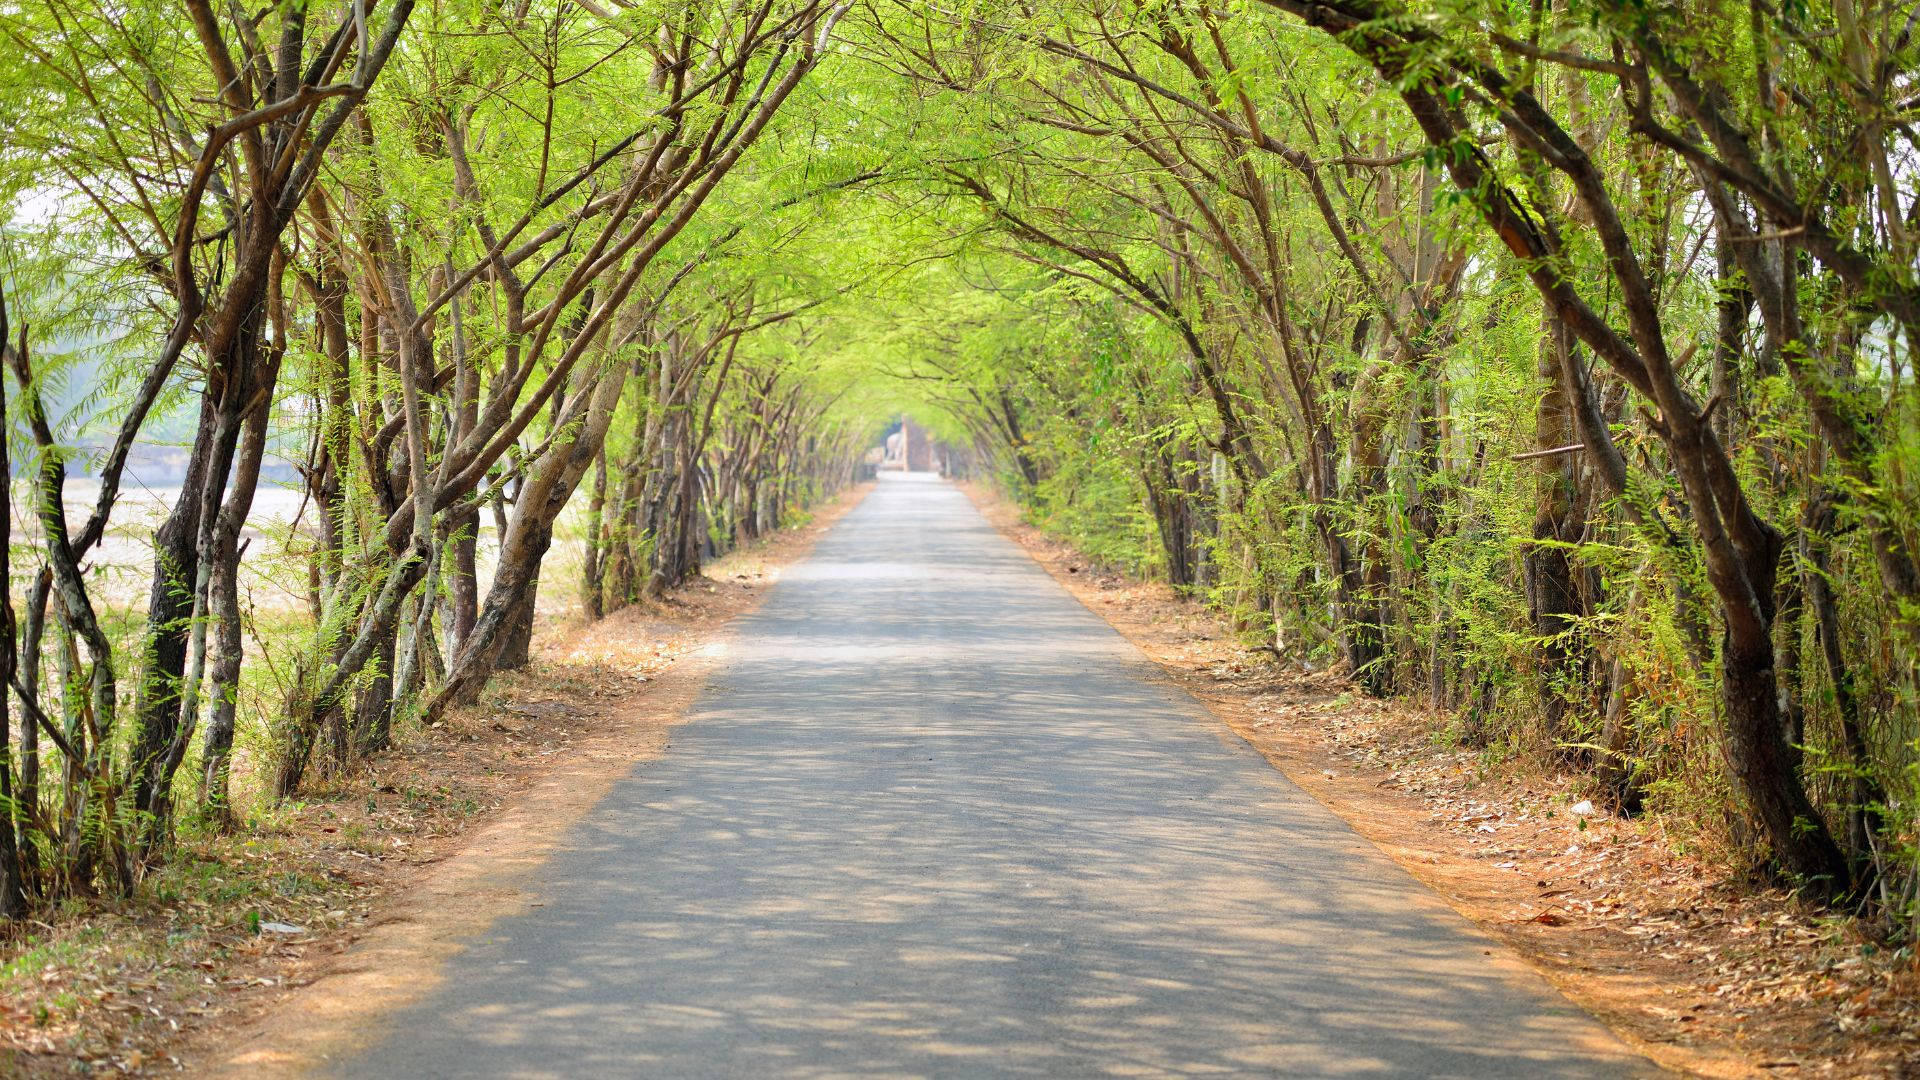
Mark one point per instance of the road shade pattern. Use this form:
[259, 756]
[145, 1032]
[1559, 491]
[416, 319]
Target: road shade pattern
[934, 818]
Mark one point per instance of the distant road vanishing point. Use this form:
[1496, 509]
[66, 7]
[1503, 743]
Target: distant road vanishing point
[934, 818]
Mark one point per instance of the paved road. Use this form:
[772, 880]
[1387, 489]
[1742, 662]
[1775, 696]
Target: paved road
[936, 819]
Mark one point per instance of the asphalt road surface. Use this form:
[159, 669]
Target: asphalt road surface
[934, 818]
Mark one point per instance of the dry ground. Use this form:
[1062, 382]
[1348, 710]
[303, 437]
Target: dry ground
[1683, 957]
[168, 980]
[1689, 961]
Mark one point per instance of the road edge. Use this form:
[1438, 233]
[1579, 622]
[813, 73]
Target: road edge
[1684, 1060]
[400, 958]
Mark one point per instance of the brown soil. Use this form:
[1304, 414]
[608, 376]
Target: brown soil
[1691, 963]
[384, 871]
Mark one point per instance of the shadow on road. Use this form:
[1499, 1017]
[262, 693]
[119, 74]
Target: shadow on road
[934, 819]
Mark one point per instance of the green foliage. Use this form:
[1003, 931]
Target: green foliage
[1311, 324]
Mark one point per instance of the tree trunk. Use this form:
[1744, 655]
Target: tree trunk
[1553, 599]
[373, 707]
[217, 752]
[550, 481]
[320, 683]
[13, 896]
[516, 645]
[463, 579]
[592, 589]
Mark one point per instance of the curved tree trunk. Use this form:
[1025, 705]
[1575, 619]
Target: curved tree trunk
[550, 482]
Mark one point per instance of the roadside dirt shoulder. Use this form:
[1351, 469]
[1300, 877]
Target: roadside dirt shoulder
[264, 952]
[645, 667]
[1688, 963]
